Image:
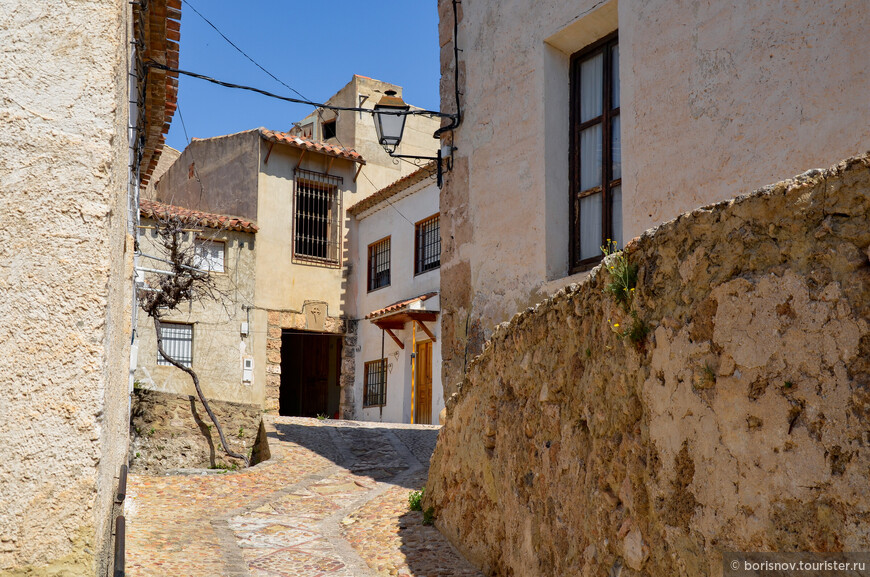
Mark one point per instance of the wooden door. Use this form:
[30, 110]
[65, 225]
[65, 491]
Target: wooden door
[315, 375]
[423, 401]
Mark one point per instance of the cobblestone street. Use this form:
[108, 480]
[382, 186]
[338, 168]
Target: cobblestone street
[332, 500]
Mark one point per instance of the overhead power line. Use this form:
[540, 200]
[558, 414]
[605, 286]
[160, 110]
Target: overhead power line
[225, 84]
[242, 52]
[271, 75]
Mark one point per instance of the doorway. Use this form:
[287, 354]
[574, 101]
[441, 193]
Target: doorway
[310, 370]
[423, 376]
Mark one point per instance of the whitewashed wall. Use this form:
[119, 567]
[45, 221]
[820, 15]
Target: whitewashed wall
[396, 219]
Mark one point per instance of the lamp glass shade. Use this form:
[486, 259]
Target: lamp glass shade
[390, 121]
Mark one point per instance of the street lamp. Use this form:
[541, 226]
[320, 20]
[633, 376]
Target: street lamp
[389, 115]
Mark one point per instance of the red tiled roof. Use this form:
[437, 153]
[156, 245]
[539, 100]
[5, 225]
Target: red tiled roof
[393, 189]
[305, 144]
[158, 30]
[399, 305]
[157, 210]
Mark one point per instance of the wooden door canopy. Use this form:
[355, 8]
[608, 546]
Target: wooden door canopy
[397, 315]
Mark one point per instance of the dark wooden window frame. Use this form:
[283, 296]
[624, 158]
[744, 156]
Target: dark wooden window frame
[605, 119]
[371, 369]
[371, 263]
[419, 248]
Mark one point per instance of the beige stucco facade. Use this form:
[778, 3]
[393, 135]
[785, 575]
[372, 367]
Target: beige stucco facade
[356, 130]
[251, 176]
[66, 260]
[717, 98]
[220, 341]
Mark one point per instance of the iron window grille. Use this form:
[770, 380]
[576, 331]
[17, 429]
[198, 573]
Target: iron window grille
[427, 244]
[317, 218]
[596, 156]
[177, 342]
[379, 264]
[209, 255]
[375, 389]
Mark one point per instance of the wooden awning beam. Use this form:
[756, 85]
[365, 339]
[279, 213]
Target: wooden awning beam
[395, 338]
[424, 329]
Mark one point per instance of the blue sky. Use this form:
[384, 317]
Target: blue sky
[315, 47]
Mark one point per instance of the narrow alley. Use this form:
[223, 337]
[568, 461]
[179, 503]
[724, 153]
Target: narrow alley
[331, 501]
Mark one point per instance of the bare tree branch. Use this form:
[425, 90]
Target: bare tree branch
[182, 282]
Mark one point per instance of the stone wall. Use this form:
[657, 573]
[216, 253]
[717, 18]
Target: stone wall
[740, 422]
[171, 432]
[312, 318]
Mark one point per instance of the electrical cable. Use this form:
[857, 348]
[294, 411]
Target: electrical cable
[225, 84]
[305, 100]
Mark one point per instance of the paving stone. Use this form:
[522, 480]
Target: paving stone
[332, 501]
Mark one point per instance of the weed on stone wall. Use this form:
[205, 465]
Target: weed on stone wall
[622, 285]
[415, 500]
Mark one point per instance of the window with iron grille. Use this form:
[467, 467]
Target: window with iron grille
[177, 342]
[317, 222]
[427, 244]
[375, 389]
[379, 264]
[596, 159]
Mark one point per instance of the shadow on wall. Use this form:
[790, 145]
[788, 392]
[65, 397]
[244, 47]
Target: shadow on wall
[174, 432]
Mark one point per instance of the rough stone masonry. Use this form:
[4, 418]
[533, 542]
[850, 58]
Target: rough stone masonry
[741, 422]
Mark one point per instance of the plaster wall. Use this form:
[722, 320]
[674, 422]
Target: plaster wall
[218, 344]
[715, 101]
[734, 418]
[395, 219]
[65, 260]
[218, 175]
[357, 131]
[285, 287]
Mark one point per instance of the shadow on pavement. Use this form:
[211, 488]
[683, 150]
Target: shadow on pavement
[427, 552]
[364, 450]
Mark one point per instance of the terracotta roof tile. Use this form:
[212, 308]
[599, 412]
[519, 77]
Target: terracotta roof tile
[159, 22]
[393, 189]
[157, 210]
[399, 305]
[305, 144]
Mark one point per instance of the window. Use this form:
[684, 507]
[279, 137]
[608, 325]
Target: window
[329, 130]
[379, 264]
[177, 342]
[375, 388]
[208, 255]
[317, 222]
[427, 245]
[596, 160]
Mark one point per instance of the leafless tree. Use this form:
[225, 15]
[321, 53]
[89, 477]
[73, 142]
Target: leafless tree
[181, 282]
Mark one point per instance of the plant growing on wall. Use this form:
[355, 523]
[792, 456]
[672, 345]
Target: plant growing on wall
[181, 282]
[622, 285]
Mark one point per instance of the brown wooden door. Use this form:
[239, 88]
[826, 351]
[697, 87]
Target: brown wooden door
[423, 402]
[315, 375]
